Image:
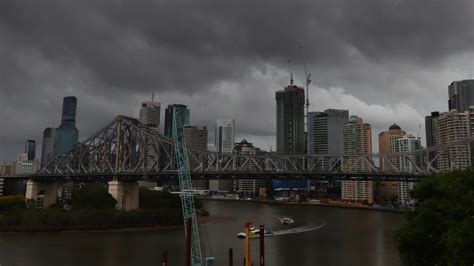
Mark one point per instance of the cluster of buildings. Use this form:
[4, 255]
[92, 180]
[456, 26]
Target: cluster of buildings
[328, 132]
[335, 132]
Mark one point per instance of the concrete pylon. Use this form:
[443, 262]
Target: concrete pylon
[45, 191]
[126, 194]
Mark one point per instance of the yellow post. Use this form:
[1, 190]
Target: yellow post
[247, 243]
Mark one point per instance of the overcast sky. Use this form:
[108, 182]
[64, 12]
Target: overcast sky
[386, 61]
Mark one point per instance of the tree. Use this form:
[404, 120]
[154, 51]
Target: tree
[439, 231]
[92, 197]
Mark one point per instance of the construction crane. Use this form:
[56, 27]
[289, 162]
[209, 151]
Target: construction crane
[186, 190]
[308, 82]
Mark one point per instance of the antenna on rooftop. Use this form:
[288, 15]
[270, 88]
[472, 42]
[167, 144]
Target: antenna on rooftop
[152, 96]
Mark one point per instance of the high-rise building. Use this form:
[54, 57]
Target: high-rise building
[405, 164]
[30, 149]
[461, 95]
[224, 135]
[47, 150]
[66, 135]
[248, 187]
[150, 114]
[290, 120]
[356, 139]
[224, 141]
[449, 127]
[324, 129]
[196, 138]
[429, 129]
[387, 190]
[184, 116]
[61, 139]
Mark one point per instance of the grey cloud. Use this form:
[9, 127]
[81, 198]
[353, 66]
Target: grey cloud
[110, 54]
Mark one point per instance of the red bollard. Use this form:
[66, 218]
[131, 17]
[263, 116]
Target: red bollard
[262, 245]
[189, 236]
[165, 258]
[231, 257]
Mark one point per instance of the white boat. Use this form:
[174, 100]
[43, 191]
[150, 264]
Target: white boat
[286, 220]
[254, 233]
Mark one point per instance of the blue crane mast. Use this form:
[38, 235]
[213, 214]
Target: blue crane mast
[186, 189]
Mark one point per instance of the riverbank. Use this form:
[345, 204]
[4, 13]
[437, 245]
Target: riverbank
[310, 203]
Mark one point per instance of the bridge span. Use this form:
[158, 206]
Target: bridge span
[125, 151]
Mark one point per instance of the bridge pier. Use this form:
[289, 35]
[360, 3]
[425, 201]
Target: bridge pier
[126, 194]
[44, 191]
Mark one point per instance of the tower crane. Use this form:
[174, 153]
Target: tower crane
[308, 82]
[186, 190]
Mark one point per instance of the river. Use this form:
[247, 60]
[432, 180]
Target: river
[350, 237]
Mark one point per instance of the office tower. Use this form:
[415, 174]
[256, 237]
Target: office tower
[248, 187]
[324, 129]
[184, 116]
[224, 141]
[150, 114]
[407, 144]
[196, 139]
[461, 95]
[47, 150]
[66, 135]
[449, 127]
[224, 135]
[429, 129]
[387, 190]
[30, 149]
[290, 120]
[356, 139]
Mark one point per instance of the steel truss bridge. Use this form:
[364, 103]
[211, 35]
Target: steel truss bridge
[125, 149]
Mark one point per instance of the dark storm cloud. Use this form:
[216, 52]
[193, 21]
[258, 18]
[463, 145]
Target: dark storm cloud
[110, 53]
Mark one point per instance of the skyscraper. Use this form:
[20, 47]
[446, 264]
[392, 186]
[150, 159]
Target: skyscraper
[356, 139]
[196, 139]
[30, 149]
[150, 114]
[387, 143]
[461, 95]
[224, 135]
[61, 139]
[388, 189]
[224, 143]
[66, 134]
[324, 129]
[290, 120]
[429, 130]
[448, 127]
[184, 115]
[406, 144]
[47, 150]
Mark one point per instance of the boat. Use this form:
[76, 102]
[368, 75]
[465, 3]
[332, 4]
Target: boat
[286, 220]
[255, 233]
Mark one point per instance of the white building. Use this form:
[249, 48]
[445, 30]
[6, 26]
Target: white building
[150, 114]
[405, 164]
[24, 167]
[224, 137]
[224, 141]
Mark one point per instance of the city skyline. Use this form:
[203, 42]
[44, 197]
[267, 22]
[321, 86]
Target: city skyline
[356, 61]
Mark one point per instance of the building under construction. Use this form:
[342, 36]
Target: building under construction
[290, 120]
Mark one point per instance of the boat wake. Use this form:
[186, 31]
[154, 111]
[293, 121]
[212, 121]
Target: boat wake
[299, 229]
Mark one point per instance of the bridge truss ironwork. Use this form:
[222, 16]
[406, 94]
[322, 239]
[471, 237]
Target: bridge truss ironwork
[125, 148]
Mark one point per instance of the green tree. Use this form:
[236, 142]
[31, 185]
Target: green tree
[92, 197]
[440, 230]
